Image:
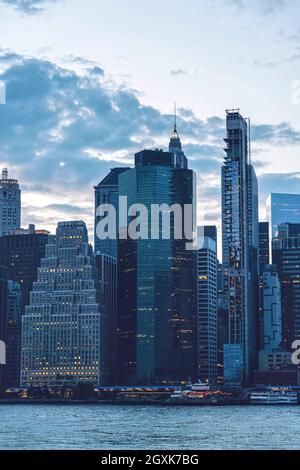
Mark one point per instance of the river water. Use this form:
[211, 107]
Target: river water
[148, 427]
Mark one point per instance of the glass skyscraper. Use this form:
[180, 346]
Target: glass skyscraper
[157, 277]
[13, 335]
[63, 329]
[263, 261]
[106, 192]
[281, 209]
[3, 316]
[240, 248]
[272, 322]
[286, 256]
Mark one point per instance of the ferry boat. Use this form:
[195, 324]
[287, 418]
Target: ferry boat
[274, 396]
[197, 390]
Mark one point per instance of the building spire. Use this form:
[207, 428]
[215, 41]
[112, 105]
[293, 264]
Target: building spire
[175, 117]
[175, 133]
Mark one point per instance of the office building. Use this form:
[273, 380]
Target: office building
[106, 192]
[3, 322]
[272, 323]
[282, 208]
[233, 364]
[10, 204]
[264, 247]
[286, 256]
[207, 271]
[107, 271]
[157, 277]
[21, 252]
[263, 261]
[63, 329]
[13, 335]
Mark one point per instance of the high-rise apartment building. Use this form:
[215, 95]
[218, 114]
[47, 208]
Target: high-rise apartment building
[10, 204]
[240, 248]
[63, 329]
[157, 277]
[207, 271]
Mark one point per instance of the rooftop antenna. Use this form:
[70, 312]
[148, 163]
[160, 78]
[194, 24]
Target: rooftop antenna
[249, 139]
[175, 133]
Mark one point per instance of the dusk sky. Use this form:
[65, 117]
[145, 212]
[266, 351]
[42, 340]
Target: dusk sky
[90, 82]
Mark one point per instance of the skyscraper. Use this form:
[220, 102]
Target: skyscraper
[264, 247]
[272, 325]
[21, 252]
[63, 329]
[106, 192]
[13, 335]
[207, 271]
[175, 147]
[157, 277]
[10, 204]
[286, 256]
[281, 209]
[263, 261]
[107, 271]
[3, 318]
[240, 247]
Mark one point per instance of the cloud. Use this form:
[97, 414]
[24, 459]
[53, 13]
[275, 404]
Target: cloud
[29, 6]
[280, 183]
[277, 134]
[271, 64]
[266, 7]
[62, 131]
[178, 73]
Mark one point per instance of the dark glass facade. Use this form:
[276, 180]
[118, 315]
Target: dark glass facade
[264, 260]
[13, 335]
[107, 270]
[286, 255]
[3, 315]
[106, 192]
[22, 254]
[282, 208]
[157, 281]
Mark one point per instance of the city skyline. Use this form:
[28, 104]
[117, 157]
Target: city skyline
[149, 228]
[109, 108]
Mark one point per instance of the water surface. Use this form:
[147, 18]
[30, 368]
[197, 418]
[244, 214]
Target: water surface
[148, 427]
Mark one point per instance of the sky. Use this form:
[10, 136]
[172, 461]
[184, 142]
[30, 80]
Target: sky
[91, 82]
